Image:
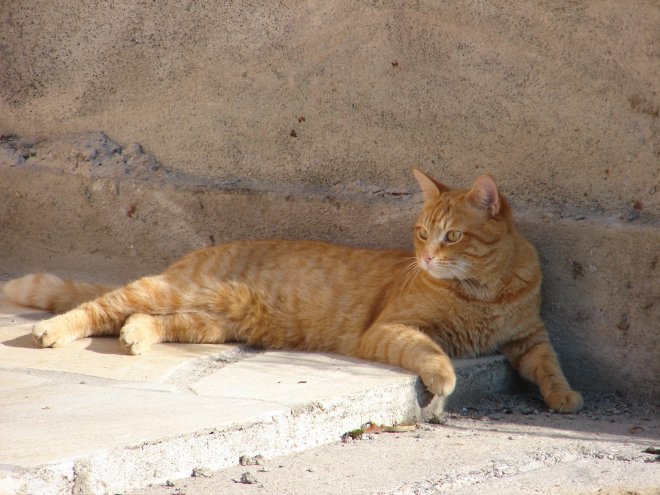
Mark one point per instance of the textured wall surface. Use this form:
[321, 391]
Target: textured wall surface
[302, 119]
[557, 99]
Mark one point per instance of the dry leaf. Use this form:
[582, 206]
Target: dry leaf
[402, 428]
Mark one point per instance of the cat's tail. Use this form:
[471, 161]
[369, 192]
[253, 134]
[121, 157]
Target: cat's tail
[50, 292]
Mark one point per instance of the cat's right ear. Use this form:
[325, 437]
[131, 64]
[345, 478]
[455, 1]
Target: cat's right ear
[430, 187]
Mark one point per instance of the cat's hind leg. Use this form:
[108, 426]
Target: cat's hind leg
[234, 305]
[61, 329]
[141, 330]
[106, 314]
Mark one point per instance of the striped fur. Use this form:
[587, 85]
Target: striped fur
[472, 286]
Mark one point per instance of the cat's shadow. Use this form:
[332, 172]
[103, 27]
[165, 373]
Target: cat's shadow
[106, 345]
[24, 341]
[100, 345]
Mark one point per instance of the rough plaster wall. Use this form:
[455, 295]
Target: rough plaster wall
[557, 99]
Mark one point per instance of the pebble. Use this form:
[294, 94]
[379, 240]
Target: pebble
[246, 460]
[247, 478]
[132, 150]
[202, 473]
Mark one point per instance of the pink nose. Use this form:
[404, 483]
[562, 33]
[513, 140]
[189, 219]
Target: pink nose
[427, 258]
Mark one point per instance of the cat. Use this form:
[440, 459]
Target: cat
[472, 286]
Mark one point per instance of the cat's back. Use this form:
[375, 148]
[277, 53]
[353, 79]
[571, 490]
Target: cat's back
[296, 266]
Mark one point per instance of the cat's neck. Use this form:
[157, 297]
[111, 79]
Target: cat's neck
[469, 289]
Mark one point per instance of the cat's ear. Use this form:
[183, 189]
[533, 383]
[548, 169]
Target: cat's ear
[484, 195]
[430, 187]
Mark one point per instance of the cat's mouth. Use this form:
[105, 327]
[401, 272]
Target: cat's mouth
[445, 269]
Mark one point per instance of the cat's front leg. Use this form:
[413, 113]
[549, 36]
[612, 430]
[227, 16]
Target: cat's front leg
[407, 347]
[536, 360]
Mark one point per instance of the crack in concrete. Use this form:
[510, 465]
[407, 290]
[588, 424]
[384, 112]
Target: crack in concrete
[192, 371]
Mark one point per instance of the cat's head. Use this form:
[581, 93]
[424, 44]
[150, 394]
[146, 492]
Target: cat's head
[463, 234]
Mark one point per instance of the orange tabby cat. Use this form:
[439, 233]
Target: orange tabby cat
[472, 286]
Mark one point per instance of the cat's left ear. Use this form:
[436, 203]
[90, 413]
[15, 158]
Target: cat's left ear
[484, 195]
[430, 187]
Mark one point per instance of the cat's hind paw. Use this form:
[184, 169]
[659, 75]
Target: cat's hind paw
[137, 334]
[564, 401]
[50, 333]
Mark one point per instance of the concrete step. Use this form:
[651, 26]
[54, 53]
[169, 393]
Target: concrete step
[90, 419]
[599, 272]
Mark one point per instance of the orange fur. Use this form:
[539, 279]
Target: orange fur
[472, 286]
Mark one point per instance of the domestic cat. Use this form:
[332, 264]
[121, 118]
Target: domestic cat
[471, 286]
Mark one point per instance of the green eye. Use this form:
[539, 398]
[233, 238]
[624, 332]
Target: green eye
[423, 233]
[453, 235]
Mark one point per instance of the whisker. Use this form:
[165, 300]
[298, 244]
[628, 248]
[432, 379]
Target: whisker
[460, 272]
[454, 270]
[409, 274]
[407, 258]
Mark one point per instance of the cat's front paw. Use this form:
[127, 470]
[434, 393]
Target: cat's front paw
[564, 401]
[52, 333]
[137, 334]
[440, 379]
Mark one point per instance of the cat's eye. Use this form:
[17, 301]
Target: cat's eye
[453, 235]
[423, 233]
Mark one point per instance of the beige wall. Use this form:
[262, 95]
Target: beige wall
[558, 100]
[317, 106]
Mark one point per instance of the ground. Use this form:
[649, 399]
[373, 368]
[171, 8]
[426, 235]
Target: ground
[505, 444]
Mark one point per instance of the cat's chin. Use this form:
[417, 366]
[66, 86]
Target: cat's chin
[439, 274]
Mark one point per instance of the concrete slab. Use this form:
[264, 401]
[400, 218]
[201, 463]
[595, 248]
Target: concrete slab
[292, 377]
[100, 357]
[90, 419]
[60, 421]
[17, 381]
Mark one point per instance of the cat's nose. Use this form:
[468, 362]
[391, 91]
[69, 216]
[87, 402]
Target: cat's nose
[427, 258]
